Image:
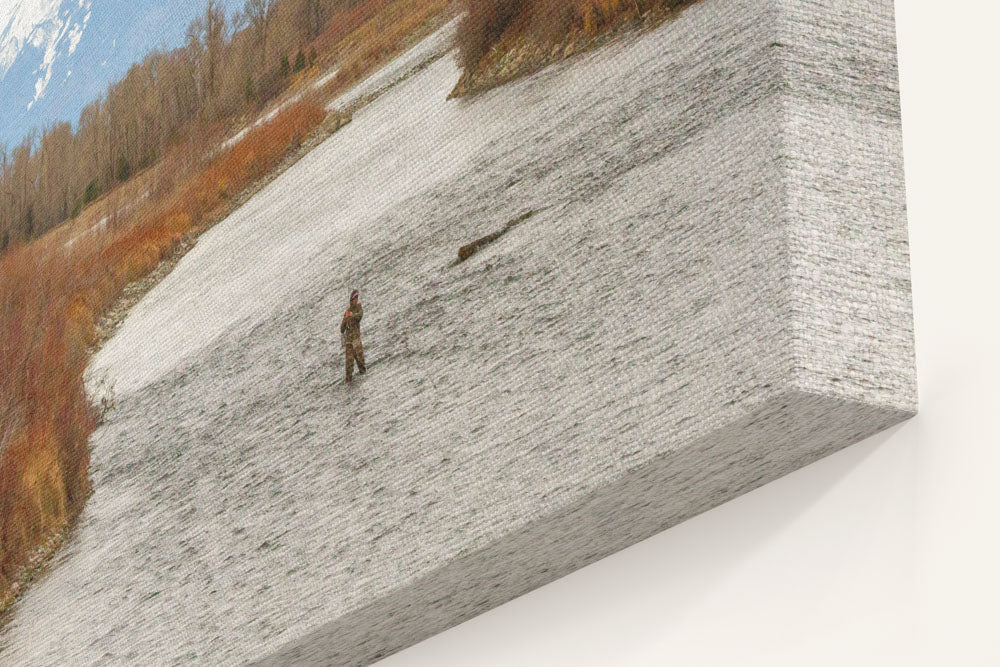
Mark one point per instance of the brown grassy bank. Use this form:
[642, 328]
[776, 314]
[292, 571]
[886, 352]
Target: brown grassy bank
[501, 40]
[372, 43]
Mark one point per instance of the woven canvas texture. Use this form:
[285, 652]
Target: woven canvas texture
[711, 291]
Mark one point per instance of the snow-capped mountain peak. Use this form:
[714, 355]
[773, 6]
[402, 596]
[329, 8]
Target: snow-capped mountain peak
[57, 36]
[39, 32]
[25, 22]
[56, 56]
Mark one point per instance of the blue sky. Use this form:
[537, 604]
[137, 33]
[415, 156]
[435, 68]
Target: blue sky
[56, 56]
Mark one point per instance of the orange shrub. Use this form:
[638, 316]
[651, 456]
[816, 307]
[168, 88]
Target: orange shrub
[259, 151]
[484, 24]
[44, 415]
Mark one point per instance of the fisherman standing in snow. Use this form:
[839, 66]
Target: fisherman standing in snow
[350, 330]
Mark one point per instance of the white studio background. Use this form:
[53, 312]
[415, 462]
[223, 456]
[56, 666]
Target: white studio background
[887, 553]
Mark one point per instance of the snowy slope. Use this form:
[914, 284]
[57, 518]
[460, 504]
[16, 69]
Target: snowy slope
[242, 496]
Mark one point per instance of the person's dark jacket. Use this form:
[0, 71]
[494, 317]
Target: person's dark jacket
[350, 326]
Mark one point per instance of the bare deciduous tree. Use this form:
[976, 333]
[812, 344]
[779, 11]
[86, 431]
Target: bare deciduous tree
[258, 14]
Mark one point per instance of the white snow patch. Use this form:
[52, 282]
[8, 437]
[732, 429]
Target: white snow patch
[316, 85]
[326, 77]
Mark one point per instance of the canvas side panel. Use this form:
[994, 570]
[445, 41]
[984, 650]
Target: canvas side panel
[853, 323]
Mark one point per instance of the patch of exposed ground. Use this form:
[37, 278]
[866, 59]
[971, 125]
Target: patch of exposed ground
[526, 55]
[469, 249]
[35, 566]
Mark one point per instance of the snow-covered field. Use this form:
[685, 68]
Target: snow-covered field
[243, 496]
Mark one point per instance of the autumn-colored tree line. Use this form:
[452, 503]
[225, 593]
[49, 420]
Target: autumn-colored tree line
[228, 66]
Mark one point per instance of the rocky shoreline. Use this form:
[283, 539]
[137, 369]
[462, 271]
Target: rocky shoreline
[38, 559]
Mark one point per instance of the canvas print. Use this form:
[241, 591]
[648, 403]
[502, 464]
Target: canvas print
[326, 325]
